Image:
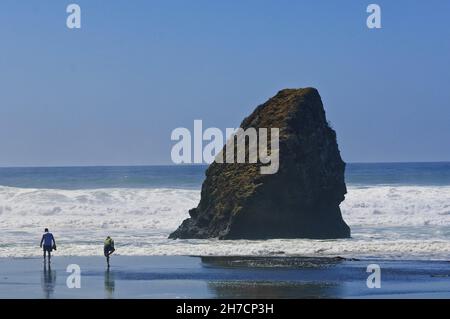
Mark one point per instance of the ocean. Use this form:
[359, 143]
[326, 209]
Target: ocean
[395, 211]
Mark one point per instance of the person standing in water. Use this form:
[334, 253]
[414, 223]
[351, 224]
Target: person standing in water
[48, 243]
[108, 248]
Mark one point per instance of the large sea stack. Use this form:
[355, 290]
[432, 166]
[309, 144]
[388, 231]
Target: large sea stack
[300, 201]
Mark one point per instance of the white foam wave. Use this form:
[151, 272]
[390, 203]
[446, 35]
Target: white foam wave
[386, 222]
[398, 206]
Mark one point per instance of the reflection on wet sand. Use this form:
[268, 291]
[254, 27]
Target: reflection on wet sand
[110, 284]
[274, 277]
[48, 281]
[256, 289]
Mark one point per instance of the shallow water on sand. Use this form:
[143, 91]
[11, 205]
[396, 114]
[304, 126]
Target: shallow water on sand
[217, 277]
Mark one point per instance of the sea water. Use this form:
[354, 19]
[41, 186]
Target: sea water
[398, 210]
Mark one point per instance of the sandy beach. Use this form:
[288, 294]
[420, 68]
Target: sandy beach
[222, 277]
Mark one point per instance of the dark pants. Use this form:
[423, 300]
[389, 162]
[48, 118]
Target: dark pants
[47, 249]
[108, 250]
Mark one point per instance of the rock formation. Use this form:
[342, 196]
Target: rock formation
[300, 201]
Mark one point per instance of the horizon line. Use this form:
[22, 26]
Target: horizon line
[193, 164]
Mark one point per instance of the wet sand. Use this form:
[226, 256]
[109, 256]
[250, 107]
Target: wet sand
[222, 277]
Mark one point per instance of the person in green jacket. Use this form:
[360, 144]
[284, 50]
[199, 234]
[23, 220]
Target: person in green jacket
[108, 248]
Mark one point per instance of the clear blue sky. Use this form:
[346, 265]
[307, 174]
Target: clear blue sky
[112, 92]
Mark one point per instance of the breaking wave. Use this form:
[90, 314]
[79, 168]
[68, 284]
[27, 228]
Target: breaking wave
[386, 222]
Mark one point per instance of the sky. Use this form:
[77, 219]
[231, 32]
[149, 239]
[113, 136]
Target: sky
[111, 92]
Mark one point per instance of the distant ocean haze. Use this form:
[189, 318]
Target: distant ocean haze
[395, 210]
[192, 176]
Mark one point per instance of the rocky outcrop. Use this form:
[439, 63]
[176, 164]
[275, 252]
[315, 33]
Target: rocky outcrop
[300, 201]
